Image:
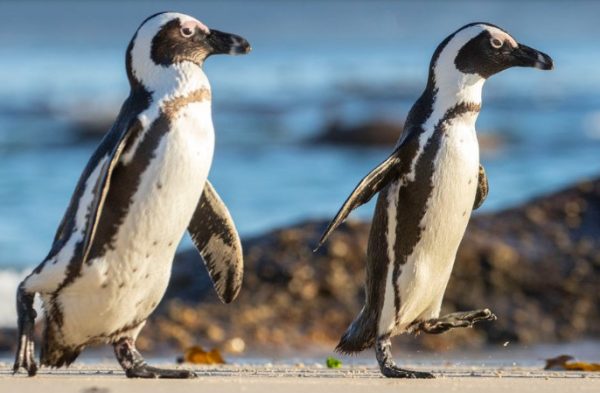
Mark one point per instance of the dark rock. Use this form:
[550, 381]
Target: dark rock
[90, 129]
[385, 133]
[536, 266]
[372, 133]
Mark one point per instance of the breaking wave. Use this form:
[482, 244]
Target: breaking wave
[9, 280]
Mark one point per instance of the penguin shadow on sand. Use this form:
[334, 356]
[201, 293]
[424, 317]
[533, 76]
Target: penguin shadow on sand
[427, 189]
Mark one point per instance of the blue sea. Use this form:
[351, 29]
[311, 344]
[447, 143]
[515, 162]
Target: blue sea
[313, 62]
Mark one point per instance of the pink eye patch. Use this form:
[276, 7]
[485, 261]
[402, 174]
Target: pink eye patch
[191, 24]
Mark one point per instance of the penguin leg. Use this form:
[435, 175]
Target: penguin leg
[383, 352]
[454, 320]
[136, 367]
[25, 356]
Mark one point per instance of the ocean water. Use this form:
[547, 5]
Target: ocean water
[62, 64]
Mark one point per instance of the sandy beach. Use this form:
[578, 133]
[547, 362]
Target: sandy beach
[100, 378]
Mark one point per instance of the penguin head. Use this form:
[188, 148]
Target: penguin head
[482, 50]
[170, 39]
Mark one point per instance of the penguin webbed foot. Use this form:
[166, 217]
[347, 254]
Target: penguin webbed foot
[390, 371]
[136, 367]
[146, 371]
[455, 320]
[387, 365]
[26, 315]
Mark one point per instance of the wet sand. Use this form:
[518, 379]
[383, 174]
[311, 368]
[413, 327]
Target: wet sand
[106, 378]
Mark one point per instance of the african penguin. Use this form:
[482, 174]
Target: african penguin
[145, 184]
[427, 189]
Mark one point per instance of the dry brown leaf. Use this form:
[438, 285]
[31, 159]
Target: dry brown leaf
[197, 355]
[583, 366]
[563, 362]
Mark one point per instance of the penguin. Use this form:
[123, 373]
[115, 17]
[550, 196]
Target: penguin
[427, 189]
[144, 186]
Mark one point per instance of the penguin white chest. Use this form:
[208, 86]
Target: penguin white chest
[171, 186]
[423, 278]
[124, 286]
[455, 177]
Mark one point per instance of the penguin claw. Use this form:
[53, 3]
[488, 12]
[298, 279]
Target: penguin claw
[25, 357]
[484, 315]
[473, 317]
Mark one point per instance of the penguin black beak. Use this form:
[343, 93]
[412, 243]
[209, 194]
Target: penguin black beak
[226, 43]
[525, 56]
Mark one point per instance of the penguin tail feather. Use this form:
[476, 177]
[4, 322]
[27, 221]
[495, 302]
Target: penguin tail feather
[360, 335]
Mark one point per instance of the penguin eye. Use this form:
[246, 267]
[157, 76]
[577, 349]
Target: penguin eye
[187, 32]
[496, 43]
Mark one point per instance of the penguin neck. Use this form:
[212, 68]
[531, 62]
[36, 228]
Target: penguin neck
[174, 81]
[454, 93]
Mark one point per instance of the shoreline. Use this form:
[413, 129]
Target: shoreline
[490, 356]
[104, 378]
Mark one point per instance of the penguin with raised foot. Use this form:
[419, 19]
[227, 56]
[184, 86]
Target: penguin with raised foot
[427, 189]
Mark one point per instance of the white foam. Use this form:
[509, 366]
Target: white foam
[9, 280]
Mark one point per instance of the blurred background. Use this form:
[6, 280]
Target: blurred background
[317, 104]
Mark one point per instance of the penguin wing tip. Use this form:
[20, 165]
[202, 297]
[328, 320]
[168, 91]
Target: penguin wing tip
[227, 300]
[321, 242]
[227, 297]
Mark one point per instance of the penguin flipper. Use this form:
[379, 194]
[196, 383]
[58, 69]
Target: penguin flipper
[117, 142]
[106, 156]
[370, 185]
[482, 188]
[216, 239]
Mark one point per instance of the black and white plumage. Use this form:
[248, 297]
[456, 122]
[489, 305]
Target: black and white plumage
[145, 184]
[427, 189]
